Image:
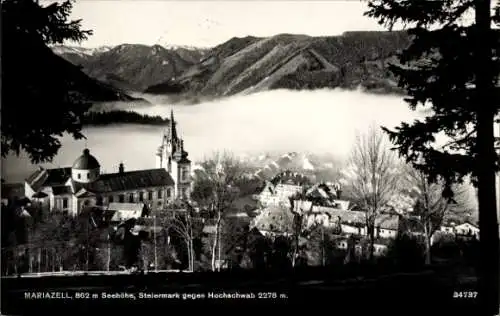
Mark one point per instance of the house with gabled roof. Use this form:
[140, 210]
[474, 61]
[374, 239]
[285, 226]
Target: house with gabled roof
[274, 220]
[283, 186]
[467, 228]
[387, 226]
[126, 211]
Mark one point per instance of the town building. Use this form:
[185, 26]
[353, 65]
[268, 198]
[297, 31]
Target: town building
[464, 230]
[126, 211]
[278, 219]
[347, 225]
[274, 221]
[281, 188]
[467, 229]
[70, 189]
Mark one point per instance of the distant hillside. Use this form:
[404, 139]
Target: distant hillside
[132, 66]
[250, 64]
[247, 65]
[56, 67]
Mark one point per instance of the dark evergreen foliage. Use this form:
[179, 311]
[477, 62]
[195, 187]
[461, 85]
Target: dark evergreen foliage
[438, 70]
[121, 117]
[38, 104]
[452, 66]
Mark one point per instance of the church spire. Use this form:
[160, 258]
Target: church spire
[172, 131]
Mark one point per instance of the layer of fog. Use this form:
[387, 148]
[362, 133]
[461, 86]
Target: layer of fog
[282, 120]
[322, 121]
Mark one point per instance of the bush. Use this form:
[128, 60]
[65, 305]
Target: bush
[406, 253]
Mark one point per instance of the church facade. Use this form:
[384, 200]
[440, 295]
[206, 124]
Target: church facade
[81, 185]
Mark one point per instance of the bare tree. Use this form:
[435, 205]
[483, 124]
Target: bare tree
[433, 204]
[299, 209]
[180, 222]
[216, 188]
[373, 176]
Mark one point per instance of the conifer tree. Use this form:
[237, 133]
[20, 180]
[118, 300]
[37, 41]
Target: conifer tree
[452, 66]
[37, 103]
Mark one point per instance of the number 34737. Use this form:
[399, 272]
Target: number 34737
[464, 294]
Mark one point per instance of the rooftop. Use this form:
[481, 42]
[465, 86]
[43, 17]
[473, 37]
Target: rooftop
[132, 207]
[48, 177]
[274, 218]
[387, 221]
[289, 177]
[86, 161]
[126, 181]
[61, 189]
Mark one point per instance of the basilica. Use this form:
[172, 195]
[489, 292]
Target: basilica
[81, 185]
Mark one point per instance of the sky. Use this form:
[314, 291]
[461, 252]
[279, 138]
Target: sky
[210, 22]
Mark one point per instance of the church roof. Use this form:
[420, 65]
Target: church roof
[113, 182]
[48, 177]
[127, 181]
[40, 195]
[83, 193]
[86, 161]
[131, 207]
[61, 190]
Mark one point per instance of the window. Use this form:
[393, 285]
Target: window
[159, 194]
[65, 203]
[159, 203]
[150, 195]
[141, 196]
[121, 198]
[88, 175]
[131, 197]
[184, 192]
[169, 193]
[111, 199]
[184, 174]
[79, 176]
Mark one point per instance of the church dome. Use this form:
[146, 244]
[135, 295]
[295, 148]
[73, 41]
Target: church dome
[86, 161]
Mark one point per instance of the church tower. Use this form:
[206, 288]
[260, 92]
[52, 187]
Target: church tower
[172, 156]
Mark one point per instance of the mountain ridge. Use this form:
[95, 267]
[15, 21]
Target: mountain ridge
[131, 67]
[250, 64]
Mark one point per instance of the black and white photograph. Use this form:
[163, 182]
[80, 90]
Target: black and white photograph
[168, 153]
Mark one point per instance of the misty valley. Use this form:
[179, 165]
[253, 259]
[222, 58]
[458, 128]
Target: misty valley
[321, 122]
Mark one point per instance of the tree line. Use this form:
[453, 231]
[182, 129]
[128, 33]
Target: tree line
[104, 118]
